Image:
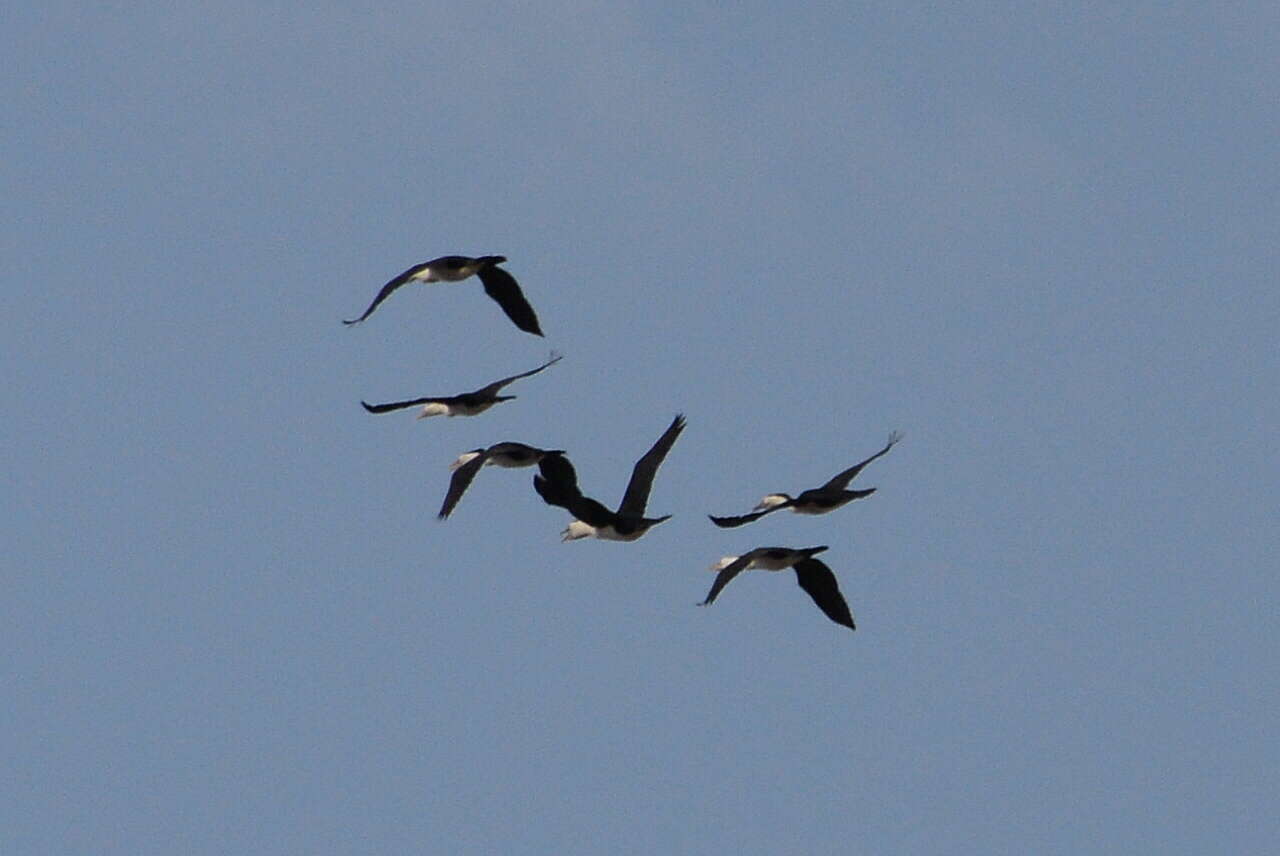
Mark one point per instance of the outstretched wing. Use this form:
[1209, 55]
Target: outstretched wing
[557, 484]
[637, 495]
[460, 481]
[730, 522]
[502, 287]
[727, 573]
[841, 480]
[400, 405]
[492, 389]
[816, 579]
[387, 289]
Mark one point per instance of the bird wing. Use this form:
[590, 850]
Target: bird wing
[387, 289]
[590, 511]
[841, 480]
[557, 471]
[730, 522]
[557, 484]
[581, 507]
[502, 287]
[637, 495]
[493, 388]
[816, 579]
[727, 573]
[460, 481]
[401, 405]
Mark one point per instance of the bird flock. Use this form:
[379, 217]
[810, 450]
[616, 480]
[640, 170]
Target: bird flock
[557, 480]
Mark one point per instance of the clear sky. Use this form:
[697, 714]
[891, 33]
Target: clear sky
[1040, 239]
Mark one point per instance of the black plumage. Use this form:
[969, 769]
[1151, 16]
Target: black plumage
[557, 484]
[498, 284]
[818, 500]
[813, 576]
[464, 404]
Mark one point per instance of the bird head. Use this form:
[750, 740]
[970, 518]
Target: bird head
[465, 458]
[771, 500]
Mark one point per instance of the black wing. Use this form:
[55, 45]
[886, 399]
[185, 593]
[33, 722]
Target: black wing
[590, 511]
[557, 484]
[492, 389]
[557, 472]
[583, 508]
[727, 573]
[816, 579]
[460, 481]
[502, 287]
[841, 480]
[637, 495]
[386, 291]
[730, 522]
[401, 405]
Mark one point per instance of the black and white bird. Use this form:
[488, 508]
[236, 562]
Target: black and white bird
[498, 284]
[812, 575]
[557, 484]
[466, 404]
[507, 454]
[818, 500]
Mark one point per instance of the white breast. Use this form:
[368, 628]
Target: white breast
[768, 563]
[435, 408]
[445, 274]
[577, 529]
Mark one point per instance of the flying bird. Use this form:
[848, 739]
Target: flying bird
[812, 575]
[466, 404]
[506, 454]
[498, 284]
[818, 500]
[557, 484]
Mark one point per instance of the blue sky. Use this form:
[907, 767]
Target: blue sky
[1040, 240]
